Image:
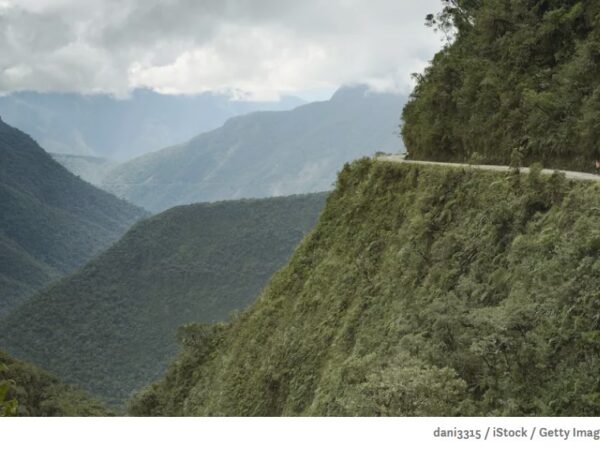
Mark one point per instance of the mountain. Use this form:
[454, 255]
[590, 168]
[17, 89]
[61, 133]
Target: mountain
[519, 84]
[88, 168]
[51, 222]
[110, 327]
[264, 154]
[103, 126]
[421, 291]
[40, 394]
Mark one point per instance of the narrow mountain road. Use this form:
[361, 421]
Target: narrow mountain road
[569, 174]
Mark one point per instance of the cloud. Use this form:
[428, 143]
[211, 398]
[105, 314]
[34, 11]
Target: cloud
[257, 49]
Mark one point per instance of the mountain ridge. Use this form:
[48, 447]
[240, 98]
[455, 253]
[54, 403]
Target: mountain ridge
[110, 327]
[52, 221]
[103, 125]
[264, 153]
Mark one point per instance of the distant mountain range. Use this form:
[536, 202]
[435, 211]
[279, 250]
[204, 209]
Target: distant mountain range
[265, 154]
[52, 222]
[119, 129]
[110, 328]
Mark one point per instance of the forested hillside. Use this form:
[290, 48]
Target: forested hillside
[520, 82]
[25, 390]
[265, 154]
[421, 291]
[51, 221]
[110, 328]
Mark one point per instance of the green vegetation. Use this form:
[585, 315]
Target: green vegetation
[264, 154]
[110, 328]
[26, 390]
[520, 77]
[8, 408]
[51, 221]
[421, 291]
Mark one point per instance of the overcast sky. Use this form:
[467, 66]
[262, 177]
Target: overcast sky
[258, 49]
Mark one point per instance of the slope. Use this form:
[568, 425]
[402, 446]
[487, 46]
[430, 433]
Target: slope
[51, 222]
[519, 84]
[423, 290]
[110, 327]
[265, 153]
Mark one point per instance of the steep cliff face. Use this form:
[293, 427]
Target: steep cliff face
[421, 291]
[520, 81]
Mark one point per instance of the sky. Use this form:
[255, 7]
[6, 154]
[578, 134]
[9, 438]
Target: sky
[251, 49]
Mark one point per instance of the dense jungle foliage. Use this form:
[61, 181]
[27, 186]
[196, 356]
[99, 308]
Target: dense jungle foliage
[110, 328]
[421, 291]
[519, 81]
[51, 222]
[25, 390]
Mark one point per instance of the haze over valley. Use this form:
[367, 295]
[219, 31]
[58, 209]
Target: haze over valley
[270, 208]
[118, 129]
[264, 154]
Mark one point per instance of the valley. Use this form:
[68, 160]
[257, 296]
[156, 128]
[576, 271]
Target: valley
[52, 222]
[264, 154]
[301, 210]
[110, 327]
